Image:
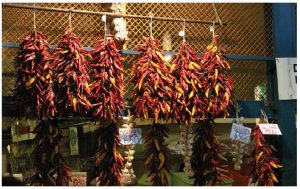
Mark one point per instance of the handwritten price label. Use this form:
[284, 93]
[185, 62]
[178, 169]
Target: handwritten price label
[78, 179]
[130, 136]
[240, 133]
[270, 129]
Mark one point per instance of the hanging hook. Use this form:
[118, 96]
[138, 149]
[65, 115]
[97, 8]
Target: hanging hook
[70, 19]
[34, 26]
[212, 29]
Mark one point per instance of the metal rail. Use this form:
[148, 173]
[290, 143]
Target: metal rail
[108, 14]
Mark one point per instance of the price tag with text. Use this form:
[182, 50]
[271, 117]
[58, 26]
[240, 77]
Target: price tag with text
[78, 179]
[270, 129]
[130, 136]
[240, 133]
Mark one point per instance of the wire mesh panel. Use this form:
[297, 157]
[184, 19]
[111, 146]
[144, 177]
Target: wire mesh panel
[8, 79]
[248, 32]
[244, 34]
[249, 79]
[18, 22]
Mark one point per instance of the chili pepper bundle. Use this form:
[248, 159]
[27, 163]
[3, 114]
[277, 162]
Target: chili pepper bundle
[107, 98]
[72, 76]
[152, 79]
[265, 161]
[50, 168]
[33, 93]
[188, 84]
[152, 97]
[107, 87]
[110, 162]
[207, 162]
[218, 91]
[156, 156]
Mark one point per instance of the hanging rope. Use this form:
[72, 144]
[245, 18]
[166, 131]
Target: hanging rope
[217, 15]
[70, 19]
[238, 109]
[264, 115]
[105, 29]
[34, 25]
[213, 31]
[183, 39]
[151, 16]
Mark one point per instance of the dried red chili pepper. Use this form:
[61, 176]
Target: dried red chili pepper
[207, 162]
[152, 93]
[156, 156]
[218, 90]
[33, 93]
[189, 82]
[152, 97]
[48, 162]
[107, 87]
[72, 76]
[110, 162]
[107, 99]
[265, 162]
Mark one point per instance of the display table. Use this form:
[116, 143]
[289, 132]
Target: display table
[178, 179]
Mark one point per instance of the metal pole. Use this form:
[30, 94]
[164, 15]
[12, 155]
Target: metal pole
[107, 13]
[285, 44]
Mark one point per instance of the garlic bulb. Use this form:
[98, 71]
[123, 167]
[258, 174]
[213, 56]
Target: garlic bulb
[187, 139]
[238, 149]
[128, 122]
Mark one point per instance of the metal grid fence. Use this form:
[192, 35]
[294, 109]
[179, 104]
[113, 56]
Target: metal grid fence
[248, 32]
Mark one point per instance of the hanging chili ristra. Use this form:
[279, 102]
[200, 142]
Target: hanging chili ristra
[109, 163]
[152, 97]
[107, 98]
[107, 87]
[33, 95]
[207, 162]
[188, 84]
[218, 91]
[156, 155]
[152, 79]
[265, 162]
[72, 77]
[50, 167]
[210, 167]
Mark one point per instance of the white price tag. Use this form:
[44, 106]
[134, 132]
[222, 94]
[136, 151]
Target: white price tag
[130, 136]
[270, 129]
[240, 133]
[287, 78]
[78, 179]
